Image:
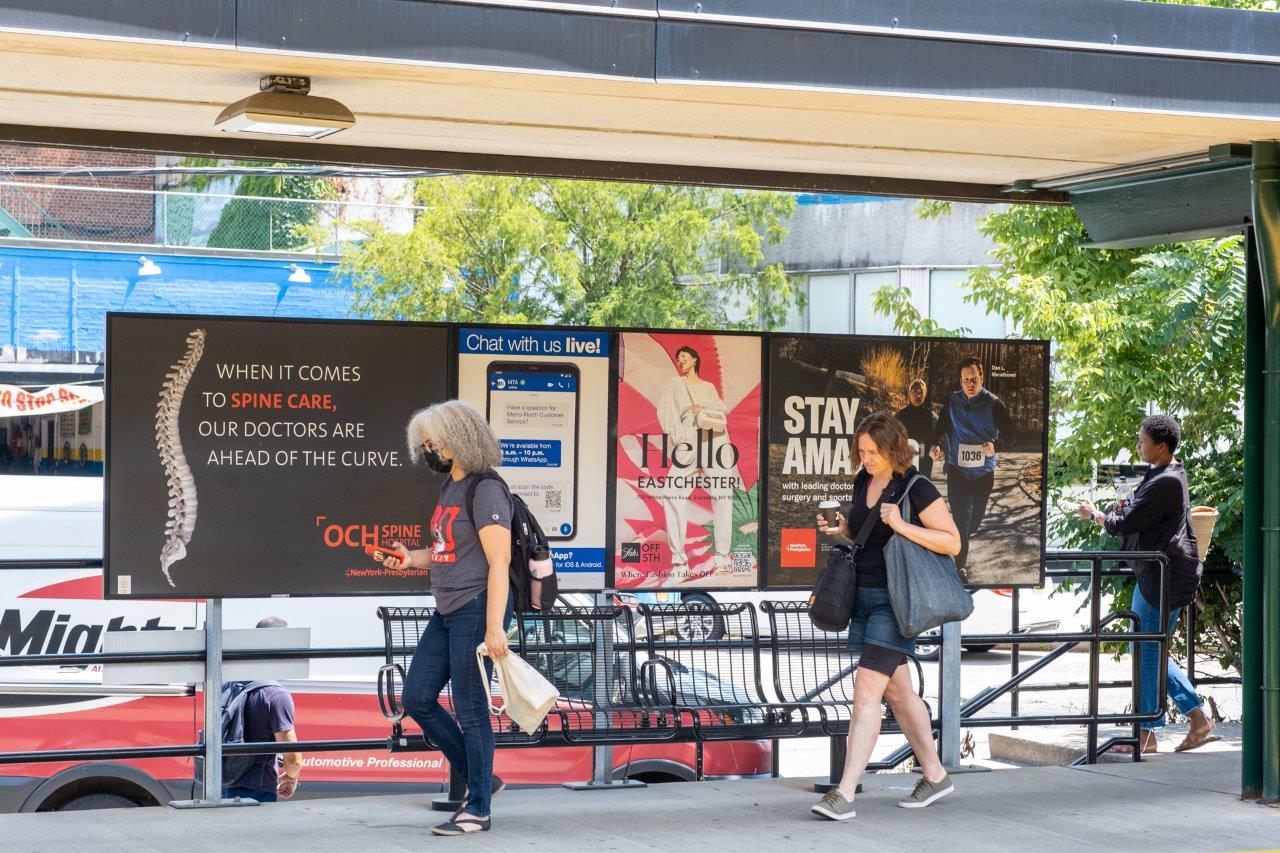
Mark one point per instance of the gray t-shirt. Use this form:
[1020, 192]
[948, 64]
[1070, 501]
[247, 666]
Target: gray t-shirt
[459, 569]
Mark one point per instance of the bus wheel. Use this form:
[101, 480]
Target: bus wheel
[97, 801]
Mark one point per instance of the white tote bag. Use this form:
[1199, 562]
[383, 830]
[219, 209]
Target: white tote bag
[526, 695]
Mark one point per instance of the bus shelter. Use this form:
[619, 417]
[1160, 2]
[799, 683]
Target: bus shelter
[1156, 122]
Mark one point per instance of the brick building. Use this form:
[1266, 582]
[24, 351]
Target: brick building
[80, 214]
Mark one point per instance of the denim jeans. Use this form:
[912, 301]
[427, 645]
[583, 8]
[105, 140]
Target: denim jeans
[250, 794]
[447, 654]
[1180, 689]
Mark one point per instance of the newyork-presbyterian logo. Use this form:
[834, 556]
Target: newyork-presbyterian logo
[799, 548]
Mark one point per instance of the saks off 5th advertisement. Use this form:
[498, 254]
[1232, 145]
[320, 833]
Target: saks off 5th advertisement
[546, 395]
[688, 459]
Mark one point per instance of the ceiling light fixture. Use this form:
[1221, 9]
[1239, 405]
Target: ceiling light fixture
[283, 107]
[148, 267]
[298, 275]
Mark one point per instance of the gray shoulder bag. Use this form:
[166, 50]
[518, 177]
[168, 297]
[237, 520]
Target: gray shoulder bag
[924, 586]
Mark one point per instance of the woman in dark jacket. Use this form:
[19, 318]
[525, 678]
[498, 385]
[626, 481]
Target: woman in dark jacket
[921, 423]
[1158, 519]
[882, 650]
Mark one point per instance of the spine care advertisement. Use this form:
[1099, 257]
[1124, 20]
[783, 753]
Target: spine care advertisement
[255, 458]
[974, 414]
[687, 492]
[546, 395]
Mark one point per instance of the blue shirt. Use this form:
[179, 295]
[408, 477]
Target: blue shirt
[268, 711]
[970, 423]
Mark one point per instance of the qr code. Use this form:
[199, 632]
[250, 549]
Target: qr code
[552, 499]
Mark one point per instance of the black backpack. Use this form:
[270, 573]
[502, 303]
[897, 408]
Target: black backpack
[235, 696]
[528, 543]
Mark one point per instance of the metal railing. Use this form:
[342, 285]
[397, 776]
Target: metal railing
[1096, 636]
[185, 219]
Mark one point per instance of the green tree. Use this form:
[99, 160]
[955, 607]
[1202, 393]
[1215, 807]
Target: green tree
[1130, 328]
[282, 220]
[592, 253]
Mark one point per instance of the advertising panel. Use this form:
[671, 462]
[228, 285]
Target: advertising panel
[251, 458]
[546, 395]
[687, 491]
[977, 412]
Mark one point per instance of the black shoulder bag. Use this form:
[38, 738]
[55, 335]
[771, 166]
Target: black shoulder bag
[831, 602]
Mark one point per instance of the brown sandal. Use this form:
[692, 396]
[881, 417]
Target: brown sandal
[1190, 742]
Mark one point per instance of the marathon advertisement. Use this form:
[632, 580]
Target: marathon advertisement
[976, 414]
[546, 395]
[688, 486]
[251, 458]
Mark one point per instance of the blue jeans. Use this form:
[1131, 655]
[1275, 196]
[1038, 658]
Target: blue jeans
[1180, 689]
[447, 654]
[250, 794]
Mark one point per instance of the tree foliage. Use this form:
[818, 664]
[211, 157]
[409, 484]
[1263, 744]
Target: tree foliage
[525, 250]
[1131, 329]
[281, 221]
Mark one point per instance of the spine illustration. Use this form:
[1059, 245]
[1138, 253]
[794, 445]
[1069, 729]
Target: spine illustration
[181, 482]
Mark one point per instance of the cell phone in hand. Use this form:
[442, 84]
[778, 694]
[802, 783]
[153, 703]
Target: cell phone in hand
[382, 552]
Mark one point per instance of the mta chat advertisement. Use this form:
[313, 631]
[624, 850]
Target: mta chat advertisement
[546, 395]
[975, 412]
[250, 458]
[688, 471]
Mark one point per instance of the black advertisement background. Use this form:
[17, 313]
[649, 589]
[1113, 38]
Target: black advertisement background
[256, 532]
[836, 366]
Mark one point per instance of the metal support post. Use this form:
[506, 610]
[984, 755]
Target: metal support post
[212, 715]
[1255, 324]
[949, 697]
[602, 756]
[1015, 656]
[455, 797]
[1265, 586]
[1095, 648]
[838, 750]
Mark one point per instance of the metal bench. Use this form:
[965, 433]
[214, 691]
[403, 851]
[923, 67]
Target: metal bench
[402, 628]
[716, 684]
[813, 668]
[606, 696]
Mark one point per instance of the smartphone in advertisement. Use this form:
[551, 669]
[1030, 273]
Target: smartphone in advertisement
[533, 408]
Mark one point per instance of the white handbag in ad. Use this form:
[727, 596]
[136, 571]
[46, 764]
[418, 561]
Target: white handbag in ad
[526, 695]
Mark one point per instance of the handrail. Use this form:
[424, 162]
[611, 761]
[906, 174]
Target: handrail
[1095, 636]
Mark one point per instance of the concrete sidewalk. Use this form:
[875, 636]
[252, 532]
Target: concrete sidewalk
[1175, 802]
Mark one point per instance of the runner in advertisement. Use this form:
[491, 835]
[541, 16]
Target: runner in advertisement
[687, 492]
[546, 395]
[975, 411]
[253, 457]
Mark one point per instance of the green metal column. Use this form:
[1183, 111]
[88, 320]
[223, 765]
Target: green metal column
[1266, 227]
[1255, 340]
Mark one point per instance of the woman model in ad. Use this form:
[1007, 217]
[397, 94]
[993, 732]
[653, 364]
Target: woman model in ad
[691, 412]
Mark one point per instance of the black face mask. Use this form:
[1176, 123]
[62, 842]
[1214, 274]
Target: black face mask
[435, 461]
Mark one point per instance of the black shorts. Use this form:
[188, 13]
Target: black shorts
[881, 659]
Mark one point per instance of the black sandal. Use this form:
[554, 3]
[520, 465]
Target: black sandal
[455, 826]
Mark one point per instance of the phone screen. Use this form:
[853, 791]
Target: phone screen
[533, 408]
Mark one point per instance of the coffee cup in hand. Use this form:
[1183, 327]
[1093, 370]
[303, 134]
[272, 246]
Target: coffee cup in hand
[830, 509]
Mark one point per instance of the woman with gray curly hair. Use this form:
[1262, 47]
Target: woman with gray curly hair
[469, 565]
